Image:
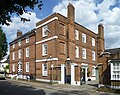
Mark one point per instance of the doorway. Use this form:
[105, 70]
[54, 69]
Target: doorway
[84, 73]
[83, 78]
[67, 78]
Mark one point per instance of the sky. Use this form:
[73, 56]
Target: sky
[88, 13]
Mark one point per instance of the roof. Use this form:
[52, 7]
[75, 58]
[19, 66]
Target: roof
[24, 35]
[114, 60]
[113, 51]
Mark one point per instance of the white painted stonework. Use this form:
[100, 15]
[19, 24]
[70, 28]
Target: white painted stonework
[50, 59]
[62, 74]
[48, 39]
[45, 80]
[85, 66]
[54, 18]
[92, 78]
[73, 82]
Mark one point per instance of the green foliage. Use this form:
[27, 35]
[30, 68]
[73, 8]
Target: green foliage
[3, 44]
[7, 67]
[8, 7]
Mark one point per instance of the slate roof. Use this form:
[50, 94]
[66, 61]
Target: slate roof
[113, 51]
[28, 33]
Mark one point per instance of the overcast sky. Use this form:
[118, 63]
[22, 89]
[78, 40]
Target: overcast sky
[88, 13]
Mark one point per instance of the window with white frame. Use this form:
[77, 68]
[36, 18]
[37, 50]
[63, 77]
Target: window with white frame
[44, 70]
[13, 45]
[27, 52]
[13, 55]
[44, 49]
[93, 71]
[76, 34]
[83, 38]
[44, 31]
[77, 52]
[19, 67]
[19, 43]
[13, 67]
[27, 39]
[19, 54]
[93, 55]
[83, 53]
[27, 67]
[93, 42]
[115, 70]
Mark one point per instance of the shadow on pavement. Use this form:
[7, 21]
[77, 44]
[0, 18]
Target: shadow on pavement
[95, 85]
[7, 88]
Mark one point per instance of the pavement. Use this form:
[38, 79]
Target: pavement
[87, 89]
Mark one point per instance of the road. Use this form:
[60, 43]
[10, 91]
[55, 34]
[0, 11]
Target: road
[11, 88]
[16, 87]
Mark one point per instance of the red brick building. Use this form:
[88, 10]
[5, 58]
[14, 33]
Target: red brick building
[110, 68]
[65, 51]
[22, 55]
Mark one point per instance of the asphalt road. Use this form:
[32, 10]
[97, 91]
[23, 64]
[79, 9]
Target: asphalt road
[17, 87]
[9, 88]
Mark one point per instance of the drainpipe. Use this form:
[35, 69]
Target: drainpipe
[35, 54]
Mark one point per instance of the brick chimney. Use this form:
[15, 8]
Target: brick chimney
[19, 33]
[100, 38]
[70, 30]
[71, 13]
[101, 31]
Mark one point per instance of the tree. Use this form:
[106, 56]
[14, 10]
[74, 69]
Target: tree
[9, 7]
[3, 44]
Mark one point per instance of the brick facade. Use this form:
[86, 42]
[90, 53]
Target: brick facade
[109, 69]
[23, 59]
[65, 39]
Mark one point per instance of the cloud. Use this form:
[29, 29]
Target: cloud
[18, 25]
[90, 13]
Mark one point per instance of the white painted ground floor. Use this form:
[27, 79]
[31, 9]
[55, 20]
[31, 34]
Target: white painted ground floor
[82, 75]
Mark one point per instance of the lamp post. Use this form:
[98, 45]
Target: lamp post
[68, 61]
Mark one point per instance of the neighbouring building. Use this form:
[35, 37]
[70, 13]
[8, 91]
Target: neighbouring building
[22, 55]
[110, 68]
[4, 64]
[60, 50]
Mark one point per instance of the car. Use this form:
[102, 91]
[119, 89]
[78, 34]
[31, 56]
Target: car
[2, 75]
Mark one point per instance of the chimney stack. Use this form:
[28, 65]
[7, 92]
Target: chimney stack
[100, 46]
[19, 33]
[71, 13]
[100, 31]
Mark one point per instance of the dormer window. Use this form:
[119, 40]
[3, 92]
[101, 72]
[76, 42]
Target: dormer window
[45, 31]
